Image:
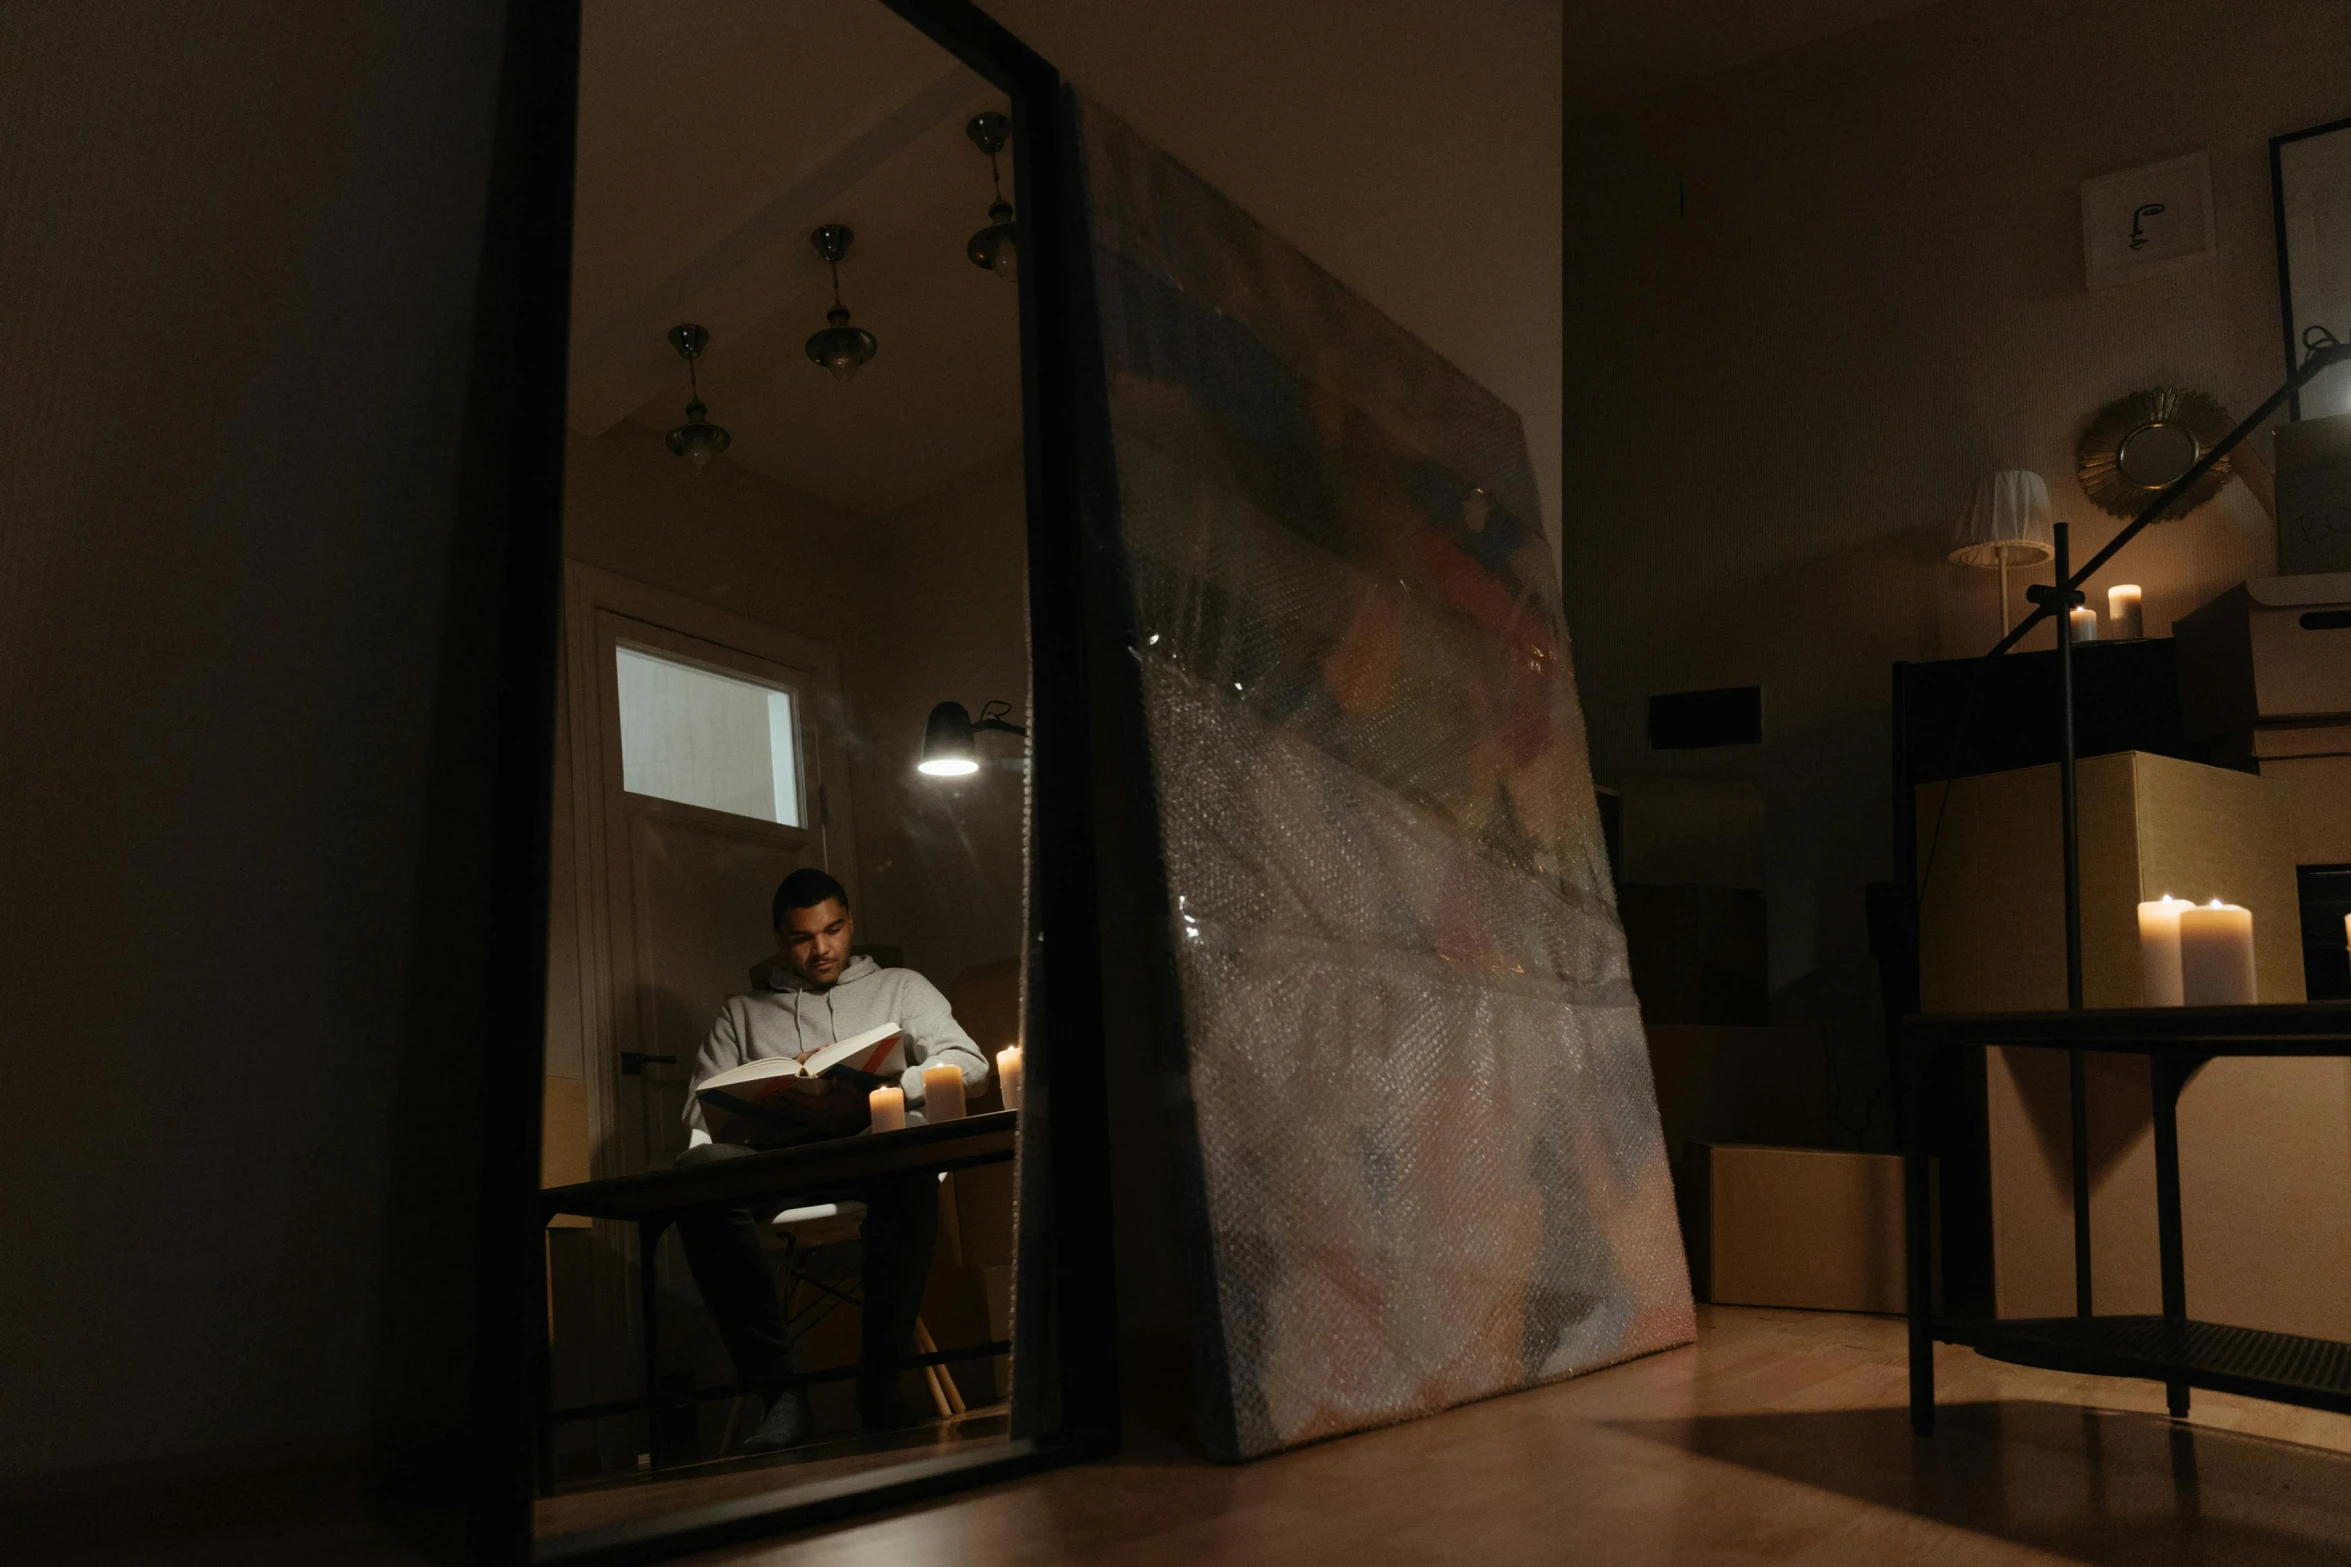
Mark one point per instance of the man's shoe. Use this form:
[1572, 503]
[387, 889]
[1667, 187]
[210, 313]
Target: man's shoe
[788, 1423]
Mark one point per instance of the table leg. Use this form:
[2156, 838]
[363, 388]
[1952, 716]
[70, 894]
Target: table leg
[2166, 1074]
[1917, 1249]
[543, 1388]
[649, 1233]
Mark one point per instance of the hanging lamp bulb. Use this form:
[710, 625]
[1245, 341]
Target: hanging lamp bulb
[996, 247]
[697, 440]
[840, 347]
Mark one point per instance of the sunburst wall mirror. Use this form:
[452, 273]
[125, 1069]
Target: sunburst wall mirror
[2136, 445]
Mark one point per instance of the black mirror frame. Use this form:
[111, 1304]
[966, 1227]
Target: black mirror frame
[2295, 349]
[465, 1294]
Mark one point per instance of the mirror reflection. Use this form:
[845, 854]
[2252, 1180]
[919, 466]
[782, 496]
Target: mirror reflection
[786, 987]
[2154, 456]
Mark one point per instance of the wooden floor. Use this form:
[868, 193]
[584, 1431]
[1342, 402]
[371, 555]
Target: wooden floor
[723, 1480]
[1779, 1437]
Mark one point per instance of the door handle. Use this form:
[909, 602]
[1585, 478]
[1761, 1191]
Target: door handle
[634, 1062]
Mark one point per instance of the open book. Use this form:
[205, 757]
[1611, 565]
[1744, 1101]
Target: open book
[793, 1098]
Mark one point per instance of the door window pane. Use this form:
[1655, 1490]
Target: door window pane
[707, 739]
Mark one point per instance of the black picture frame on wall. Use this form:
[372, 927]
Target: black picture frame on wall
[2296, 322]
[465, 1303]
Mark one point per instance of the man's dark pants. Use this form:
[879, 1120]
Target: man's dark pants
[730, 1265]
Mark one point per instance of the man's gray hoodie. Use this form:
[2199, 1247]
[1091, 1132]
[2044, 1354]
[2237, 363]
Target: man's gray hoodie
[787, 1016]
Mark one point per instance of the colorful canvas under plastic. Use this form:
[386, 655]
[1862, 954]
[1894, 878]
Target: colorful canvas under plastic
[1428, 1165]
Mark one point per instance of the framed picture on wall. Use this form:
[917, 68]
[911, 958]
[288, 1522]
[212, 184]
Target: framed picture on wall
[2310, 182]
[2148, 222]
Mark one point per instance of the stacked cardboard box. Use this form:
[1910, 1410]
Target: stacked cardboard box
[2257, 1136]
[2265, 679]
[1816, 1228]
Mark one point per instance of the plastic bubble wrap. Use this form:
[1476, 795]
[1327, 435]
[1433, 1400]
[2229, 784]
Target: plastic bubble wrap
[1428, 1165]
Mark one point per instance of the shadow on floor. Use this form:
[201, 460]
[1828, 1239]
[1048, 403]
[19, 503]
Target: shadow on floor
[2097, 1486]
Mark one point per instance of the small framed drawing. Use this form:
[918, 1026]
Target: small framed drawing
[2148, 222]
[2310, 184]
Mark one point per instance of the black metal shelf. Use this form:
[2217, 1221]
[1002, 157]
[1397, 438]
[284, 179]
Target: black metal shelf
[2293, 1028]
[2173, 1348]
[2282, 1367]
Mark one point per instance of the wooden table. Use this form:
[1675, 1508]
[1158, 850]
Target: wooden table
[2173, 1348]
[833, 1168]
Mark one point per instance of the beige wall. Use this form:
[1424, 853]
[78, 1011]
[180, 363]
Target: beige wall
[1814, 299]
[237, 269]
[947, 621]
[926, 605]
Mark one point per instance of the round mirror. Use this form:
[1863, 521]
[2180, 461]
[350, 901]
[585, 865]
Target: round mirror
[2137, 446]
[2154, 455]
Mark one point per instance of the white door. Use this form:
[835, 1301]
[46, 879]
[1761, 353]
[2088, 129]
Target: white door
[714, 775]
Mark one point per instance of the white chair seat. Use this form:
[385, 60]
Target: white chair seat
[819, 1224]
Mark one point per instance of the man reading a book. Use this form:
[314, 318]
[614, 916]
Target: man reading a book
[821, 993]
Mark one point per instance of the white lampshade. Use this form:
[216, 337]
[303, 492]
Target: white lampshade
[2006, 523]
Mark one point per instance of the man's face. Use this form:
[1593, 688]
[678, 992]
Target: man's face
[816, 940]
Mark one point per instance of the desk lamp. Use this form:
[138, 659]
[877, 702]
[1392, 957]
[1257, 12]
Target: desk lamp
[946, 738]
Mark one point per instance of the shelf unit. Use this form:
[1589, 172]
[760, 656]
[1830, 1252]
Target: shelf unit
[2173, 1348]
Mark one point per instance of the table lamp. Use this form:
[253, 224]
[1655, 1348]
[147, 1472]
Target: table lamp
[2006, 524]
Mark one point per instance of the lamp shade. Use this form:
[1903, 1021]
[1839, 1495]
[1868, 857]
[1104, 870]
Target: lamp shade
[2006, 522]
[946, 743]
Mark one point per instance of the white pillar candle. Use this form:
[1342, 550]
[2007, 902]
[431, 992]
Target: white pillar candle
[942, 1093]
[2085, 623]
[2159, 950]
[2122, 608]
[2216, 955]
[888, 1108]
[1008, 1075]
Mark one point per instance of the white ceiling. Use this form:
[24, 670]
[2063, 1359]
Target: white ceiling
[712, 141]
[714, 138]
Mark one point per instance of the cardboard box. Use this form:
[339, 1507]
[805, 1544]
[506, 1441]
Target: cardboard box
[2271, 648]
[2257, 1136]
[1991, 918]
[1808, 1227]
[2318, 790]
[1698, 954]
[2246, 749]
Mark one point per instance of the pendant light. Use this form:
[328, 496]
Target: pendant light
[996, 247]
[840, 347]
[697, 440]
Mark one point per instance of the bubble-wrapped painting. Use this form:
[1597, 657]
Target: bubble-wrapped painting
[1428, 1166]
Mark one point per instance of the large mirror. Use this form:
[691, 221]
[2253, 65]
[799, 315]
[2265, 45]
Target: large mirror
[786, 943]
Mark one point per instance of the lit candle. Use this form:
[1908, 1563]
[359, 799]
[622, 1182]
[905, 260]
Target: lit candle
[1008, 1075]
[2085, 623]
[888, 1107]
[2122, 607]
[942, 1093]
[2159, 950]
[2216, 955]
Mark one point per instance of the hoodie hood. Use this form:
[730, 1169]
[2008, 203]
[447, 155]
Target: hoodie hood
[782, 976]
